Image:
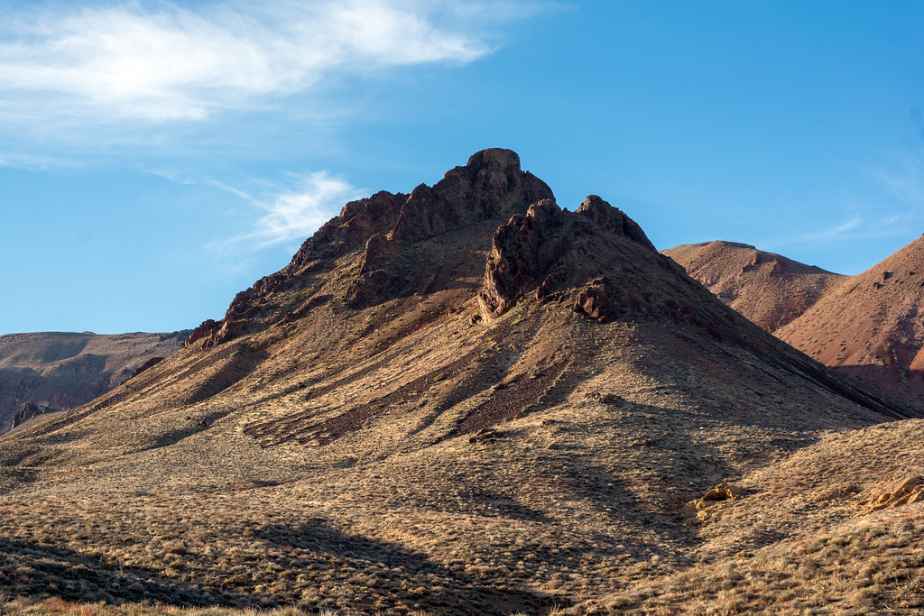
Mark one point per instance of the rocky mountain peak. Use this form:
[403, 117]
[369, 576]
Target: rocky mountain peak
[613, 219]
[384, 228]
[494, 158]
[490, 185]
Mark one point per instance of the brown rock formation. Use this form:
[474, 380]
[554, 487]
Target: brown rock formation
[550, 250]
[489, 187]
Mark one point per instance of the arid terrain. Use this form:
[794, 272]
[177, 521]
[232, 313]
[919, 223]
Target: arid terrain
[870, 326]
[867, 326]
[469, 400]
[767, 288]
[51, 371]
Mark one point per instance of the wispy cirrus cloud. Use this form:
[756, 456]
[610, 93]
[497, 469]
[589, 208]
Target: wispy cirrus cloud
[891, 204]
[161, 62]
[831, 232]
[834, 232]
[296, 213]
[286, 213]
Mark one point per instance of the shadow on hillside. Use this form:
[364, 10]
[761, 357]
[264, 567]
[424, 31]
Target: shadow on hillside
[457, 592]
[242, 363]
[469, 499]
[892, 383]
[314, 549]
[645, 496]
[172, 437]
[637, 521]
[40, 571]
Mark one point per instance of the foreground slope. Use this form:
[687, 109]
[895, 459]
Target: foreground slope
[857, 498]
[769, 289]
[459, 400]
[53, 370]
[870, 326]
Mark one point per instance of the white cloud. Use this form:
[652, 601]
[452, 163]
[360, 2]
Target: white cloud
[158, 61]
[298, 213]
[292, 213]
[889, 206]
[237, 192]
[833, 232]
[854, 228]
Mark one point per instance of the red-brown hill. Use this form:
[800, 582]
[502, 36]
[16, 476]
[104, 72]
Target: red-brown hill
[870, 326]
[769, 289]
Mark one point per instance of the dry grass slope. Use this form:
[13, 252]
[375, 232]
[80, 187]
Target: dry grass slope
[403, 446]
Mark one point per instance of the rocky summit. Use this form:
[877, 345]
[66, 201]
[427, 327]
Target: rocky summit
[468, 399]
[387, 230]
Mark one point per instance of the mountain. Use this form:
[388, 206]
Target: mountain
[460, 400]
[871, 325]
[51, 371]
[767, 288]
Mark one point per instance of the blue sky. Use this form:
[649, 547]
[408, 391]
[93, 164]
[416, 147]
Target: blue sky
[156, 158]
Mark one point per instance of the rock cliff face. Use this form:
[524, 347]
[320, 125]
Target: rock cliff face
[551, 252]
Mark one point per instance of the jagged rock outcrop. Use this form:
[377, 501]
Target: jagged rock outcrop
[490, 186]
[550, 251]
[605, 216]
[357, 222]
[906, 491]
[204, 330]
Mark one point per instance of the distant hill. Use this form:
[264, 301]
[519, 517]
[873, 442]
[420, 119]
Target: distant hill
[769, 289]
[49, 371]
[871, 326]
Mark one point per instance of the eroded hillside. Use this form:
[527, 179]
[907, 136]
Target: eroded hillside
[870, 326]
[464, 399]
